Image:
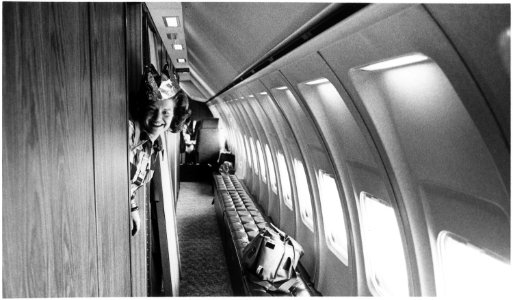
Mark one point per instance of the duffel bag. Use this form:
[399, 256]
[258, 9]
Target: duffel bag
[272, 255]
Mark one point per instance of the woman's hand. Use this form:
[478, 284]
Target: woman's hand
[135, 224]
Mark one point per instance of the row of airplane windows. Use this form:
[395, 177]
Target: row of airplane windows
[379, 217]
[383, 244]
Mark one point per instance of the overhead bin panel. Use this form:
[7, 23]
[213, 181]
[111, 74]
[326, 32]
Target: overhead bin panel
[440, 143]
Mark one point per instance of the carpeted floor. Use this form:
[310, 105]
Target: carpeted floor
[204, 270]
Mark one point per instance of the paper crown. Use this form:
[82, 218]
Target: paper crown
[159, 87]
[162, 87]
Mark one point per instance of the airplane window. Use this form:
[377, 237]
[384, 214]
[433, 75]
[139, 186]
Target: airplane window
[262, 161]
[333, 216]
[248, 156]
[285, 182]
[253, 154]
[385, 262]
[304, 195]
[272, 172]
[468, 270]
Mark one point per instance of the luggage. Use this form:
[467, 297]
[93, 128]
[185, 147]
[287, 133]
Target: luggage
[271, 257]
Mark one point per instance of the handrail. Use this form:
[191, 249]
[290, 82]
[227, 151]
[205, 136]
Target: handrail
[328, 17]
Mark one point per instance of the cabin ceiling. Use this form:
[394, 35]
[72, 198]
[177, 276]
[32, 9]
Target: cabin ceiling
[221, 40]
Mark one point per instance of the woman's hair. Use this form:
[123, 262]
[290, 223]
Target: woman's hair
[181, 111]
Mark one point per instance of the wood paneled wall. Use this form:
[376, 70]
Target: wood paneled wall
[109, 87]
[65, 185]
[134, 41]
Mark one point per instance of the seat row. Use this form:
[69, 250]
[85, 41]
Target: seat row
[240, 220]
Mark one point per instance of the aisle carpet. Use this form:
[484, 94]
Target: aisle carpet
[204, 270]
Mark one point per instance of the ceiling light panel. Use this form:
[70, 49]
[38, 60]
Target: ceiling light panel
[171, 21]
[317, 81]
[396, 62]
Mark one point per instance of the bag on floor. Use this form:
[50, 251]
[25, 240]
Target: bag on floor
[272, 257]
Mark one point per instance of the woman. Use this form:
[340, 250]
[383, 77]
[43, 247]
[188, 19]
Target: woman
[164, 107]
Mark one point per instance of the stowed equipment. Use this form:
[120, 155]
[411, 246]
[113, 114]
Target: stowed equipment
[272, 257]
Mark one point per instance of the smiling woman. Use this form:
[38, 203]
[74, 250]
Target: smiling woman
[157, 118]
[163, 107]
[162, 100]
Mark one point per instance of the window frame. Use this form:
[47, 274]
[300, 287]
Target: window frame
[340, 250]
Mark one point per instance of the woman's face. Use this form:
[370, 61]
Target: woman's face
[157, 118]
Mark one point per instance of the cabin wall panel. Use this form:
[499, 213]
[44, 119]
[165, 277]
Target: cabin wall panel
[478, 33]
[134, 52]
[272, 141]
[110, 147]
[289, 150]
[257, 187]
[317, 158]
[247, 174]
[411, 164]
[252, 183]
[240, 157]
[48, 235]
[262, 196]
[344, 140]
